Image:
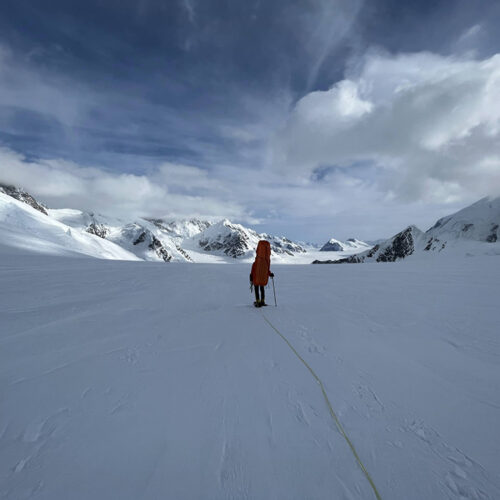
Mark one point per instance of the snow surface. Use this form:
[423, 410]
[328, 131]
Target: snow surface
[23, 227]
[144, 380]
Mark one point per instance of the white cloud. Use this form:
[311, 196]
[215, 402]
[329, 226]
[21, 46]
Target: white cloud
[469, 40]
[428, 122]
[63, 184]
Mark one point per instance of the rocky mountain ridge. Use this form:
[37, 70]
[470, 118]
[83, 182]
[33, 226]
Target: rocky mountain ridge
[236, 240]
[163, 240]
[21, 195]
[334, 245]
[478, 223]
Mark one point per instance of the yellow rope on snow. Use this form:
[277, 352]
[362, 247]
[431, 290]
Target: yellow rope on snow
[330, 408]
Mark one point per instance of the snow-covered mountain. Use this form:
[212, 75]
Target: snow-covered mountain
[398, 247]
[142, 237]
[472, 230]
[186, 240]
[182, 229]
[477, 222]
[28, 228]
[27, 223]
[235, 240]
[334, 245]
[20, 195]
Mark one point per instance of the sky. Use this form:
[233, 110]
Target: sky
[306, 118]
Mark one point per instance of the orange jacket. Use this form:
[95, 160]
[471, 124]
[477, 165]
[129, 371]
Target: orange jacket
[261, 268]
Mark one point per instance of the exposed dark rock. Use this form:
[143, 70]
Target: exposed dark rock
[184, 253]
[233, 244]
[141, 238]
[347, 260]
[159, 249]
[21, 195]
[284, 245]
[98, 229]
[373, 251]
[399, 247]
[402, 246]
[234, 240]
[332, 247]
[281, 245]
[493, 236]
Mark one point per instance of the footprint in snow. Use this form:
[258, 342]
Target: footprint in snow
[463, 477]
[309, 342]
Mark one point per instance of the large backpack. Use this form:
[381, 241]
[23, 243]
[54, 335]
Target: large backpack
[262, 264]
[264, 249]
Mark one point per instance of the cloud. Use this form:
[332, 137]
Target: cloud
[63, 184]
[395, 140]
[327, 28]
[188, 7]
[50, 95]
[468, 41]
[429, 124]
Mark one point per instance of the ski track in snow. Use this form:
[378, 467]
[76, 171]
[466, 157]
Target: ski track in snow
[114, 384]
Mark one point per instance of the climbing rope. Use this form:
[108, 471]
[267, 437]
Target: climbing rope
[330, 408]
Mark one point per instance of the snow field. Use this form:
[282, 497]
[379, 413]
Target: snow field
[142, 380]
[28, 230]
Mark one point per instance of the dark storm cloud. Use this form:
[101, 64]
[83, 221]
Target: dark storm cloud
[169, 72]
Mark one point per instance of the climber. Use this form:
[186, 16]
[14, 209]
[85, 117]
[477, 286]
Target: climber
[261, 272]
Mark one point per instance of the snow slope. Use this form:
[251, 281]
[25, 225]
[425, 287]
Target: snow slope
[333, 245]
[237, 241]
[141, 237]
[24, 227]
[402, 245]
[471, 231]
[21, 195]
[142, 380]
[479, 222]
[190, 240]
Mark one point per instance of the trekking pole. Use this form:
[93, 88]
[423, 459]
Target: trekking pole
[274, 291]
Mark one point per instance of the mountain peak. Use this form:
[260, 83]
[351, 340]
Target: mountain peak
[23, 196]
[333, 245]
[477, 222]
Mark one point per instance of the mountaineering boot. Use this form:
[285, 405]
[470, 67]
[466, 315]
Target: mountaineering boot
[262, 303]
[257, 303]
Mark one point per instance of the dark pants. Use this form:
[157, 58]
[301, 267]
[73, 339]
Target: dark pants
[262, 293]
